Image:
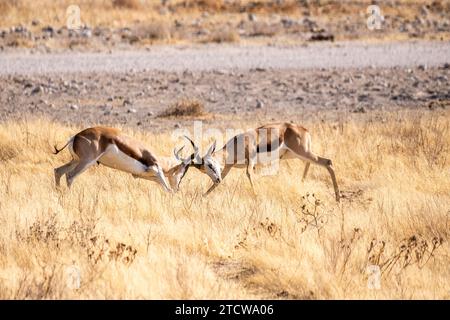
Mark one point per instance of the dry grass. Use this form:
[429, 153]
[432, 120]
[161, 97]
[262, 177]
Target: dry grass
[155, 30]
[223, 35]
[128, 4]
[120, 13]
[185, 108]
[131, 240]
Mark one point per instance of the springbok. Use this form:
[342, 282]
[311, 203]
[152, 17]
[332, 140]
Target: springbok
[244, 150]
[110, 147]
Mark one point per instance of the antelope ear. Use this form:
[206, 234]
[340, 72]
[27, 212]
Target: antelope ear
[211, 149]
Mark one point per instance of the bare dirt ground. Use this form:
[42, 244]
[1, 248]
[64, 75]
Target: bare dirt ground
[268, 83]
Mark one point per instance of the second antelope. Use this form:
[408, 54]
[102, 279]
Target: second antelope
[110, 147]
[275, 141]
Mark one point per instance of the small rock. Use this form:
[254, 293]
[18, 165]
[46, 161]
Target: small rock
[86, 32]
[359, 110]
[259, 104]
[322, 36]
[150, 113]
[251, 17]
[287, 22]
[177, 126]
[74, 107]
[20, 29]
[131, 110]
[48, 29]
[110, 99]
[126, 102]
[35, 22]
[36, 90]
[446, 66]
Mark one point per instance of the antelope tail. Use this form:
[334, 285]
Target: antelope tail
[58, 151]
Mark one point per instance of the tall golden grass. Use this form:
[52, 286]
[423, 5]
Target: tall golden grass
[129, 239]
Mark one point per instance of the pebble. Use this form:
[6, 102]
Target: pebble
[259, 104]
[36, 90]
[74, 107]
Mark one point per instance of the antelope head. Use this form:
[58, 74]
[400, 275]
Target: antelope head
[206, 164]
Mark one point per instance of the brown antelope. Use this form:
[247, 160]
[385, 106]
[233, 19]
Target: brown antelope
[245, 150]
[110, 147]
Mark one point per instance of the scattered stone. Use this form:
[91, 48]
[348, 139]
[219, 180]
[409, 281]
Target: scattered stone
[259, 104]
[110, 99]
[74, 107]
[433, 105]
[37, 89]
[126, 102]
[251, 17]
[35, 22]
[363, 97]
[150, 113]
[359, 110]
[322, 36]
[131, 110]
[48, 29]
[86, 32]
[287, 22]
[177, 126]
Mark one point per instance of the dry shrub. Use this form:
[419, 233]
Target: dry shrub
[155, 30]
[414, 250]
[263, 29]
[185, 108]
[128, 4]
[261, 6]
[214, 5]
[7, 151]
[224, 35]
[427, 137]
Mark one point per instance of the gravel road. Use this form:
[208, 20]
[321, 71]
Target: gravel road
[214, 57]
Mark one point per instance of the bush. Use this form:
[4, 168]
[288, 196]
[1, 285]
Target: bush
[185, 108]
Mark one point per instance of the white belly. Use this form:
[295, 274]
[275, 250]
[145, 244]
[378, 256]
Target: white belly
[114, 158]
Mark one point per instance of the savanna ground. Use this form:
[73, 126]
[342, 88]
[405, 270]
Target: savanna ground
[40, 26]
[387, 131]
[129, 239]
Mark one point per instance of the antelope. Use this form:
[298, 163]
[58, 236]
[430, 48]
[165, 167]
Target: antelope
[111, 148]
[289, 140]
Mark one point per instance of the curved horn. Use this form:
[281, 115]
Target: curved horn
[196, 150]
[212, 148]
[176, 153]
[192, 142]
